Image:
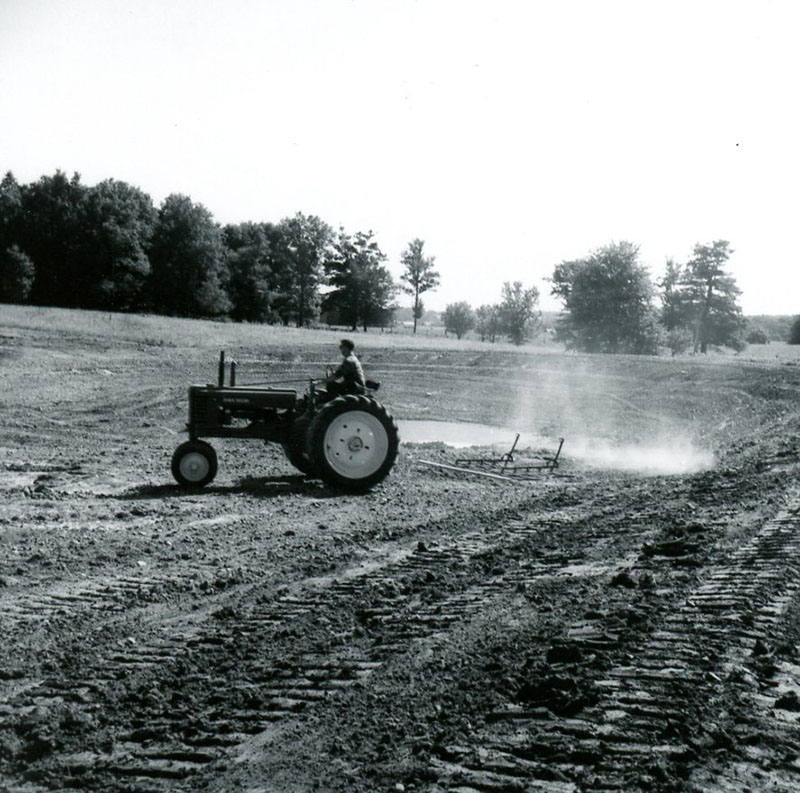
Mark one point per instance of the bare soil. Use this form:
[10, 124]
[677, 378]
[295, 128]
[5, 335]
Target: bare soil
[602, 629]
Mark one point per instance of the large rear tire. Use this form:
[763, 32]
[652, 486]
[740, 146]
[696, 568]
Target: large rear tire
[194, 464]
[353, 442]
[296, 448]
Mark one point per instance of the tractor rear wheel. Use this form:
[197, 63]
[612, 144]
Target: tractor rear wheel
[194, 464]
[353, 442]
[296, 448]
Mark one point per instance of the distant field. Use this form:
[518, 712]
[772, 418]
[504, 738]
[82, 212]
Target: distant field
[168, 331]
[776, 351]
[154, 330]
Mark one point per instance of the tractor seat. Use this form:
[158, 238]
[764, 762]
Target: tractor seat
[372, 385]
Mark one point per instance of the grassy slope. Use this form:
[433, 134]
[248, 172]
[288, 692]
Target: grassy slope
[172, 331]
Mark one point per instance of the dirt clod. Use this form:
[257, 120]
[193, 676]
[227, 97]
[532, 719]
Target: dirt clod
[623, 579]
[788, 701]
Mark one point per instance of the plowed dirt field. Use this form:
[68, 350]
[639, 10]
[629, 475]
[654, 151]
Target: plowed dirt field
[631, 623]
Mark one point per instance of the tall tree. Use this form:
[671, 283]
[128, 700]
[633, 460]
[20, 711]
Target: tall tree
[251, 286]
[16, 275]
[418, 276]
[794, 331]
[188, 261]
[418, 313]
[487, 322]
[672, 312]
[303, 243]
[519, 313]
[10, 217]
[119, 221]
[10, 211]
[709, 296]
[608, 301]
[362, 288]
[459, 318]
[52, 233]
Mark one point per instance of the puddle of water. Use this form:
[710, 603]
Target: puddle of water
[220, 520]
[458, 434]
[670, 456]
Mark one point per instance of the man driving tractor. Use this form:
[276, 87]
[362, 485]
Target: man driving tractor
[348, 378]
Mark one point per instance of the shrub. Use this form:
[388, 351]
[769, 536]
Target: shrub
[679, 340]
[17, 273]
[757, 336]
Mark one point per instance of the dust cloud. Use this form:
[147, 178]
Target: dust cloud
[674, 456]
[613, 416]
[668, 456]
[617, 419]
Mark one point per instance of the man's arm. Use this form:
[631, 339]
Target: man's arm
[338, 375]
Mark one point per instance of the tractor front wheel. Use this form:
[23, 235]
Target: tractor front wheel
[353, 442]
[194, 464]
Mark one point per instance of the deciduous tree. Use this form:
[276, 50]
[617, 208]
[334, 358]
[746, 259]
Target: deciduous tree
[16, 275]
[519, 312]
[487, 322]
[418, 276]
[794, 331]
[52, 233]
[118, 225]
[459, 318]
[251, 283]
[757, 336]
[608, 301]
[672, 309]
[362, 288]
[10, 211]
[188, 261]
[302, 245]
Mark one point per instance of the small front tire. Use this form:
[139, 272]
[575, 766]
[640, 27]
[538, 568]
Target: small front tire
[194, 464]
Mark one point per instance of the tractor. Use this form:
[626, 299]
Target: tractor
[348, 441]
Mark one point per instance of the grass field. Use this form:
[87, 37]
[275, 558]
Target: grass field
[171, 331]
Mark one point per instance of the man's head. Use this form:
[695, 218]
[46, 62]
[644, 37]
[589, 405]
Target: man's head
[346, 347]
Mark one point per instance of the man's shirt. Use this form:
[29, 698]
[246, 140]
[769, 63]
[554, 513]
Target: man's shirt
[350, 370]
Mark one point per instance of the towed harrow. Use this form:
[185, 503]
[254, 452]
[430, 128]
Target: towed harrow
[504, 467]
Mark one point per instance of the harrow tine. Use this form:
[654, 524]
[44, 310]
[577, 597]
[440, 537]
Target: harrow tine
[505, 466]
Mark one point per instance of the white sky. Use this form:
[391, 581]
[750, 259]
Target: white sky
[508, 135]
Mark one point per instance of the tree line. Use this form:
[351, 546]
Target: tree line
[107, 246]
[612, 305]
[516, 316]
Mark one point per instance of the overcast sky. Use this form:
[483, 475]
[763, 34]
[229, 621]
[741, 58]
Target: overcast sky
[508, 135]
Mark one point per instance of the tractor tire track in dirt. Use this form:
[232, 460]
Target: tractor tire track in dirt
[158, 642]
[236, 689]
[662, 712]
[60, 600]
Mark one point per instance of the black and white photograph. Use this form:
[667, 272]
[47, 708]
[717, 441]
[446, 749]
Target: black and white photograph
[399, 396]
